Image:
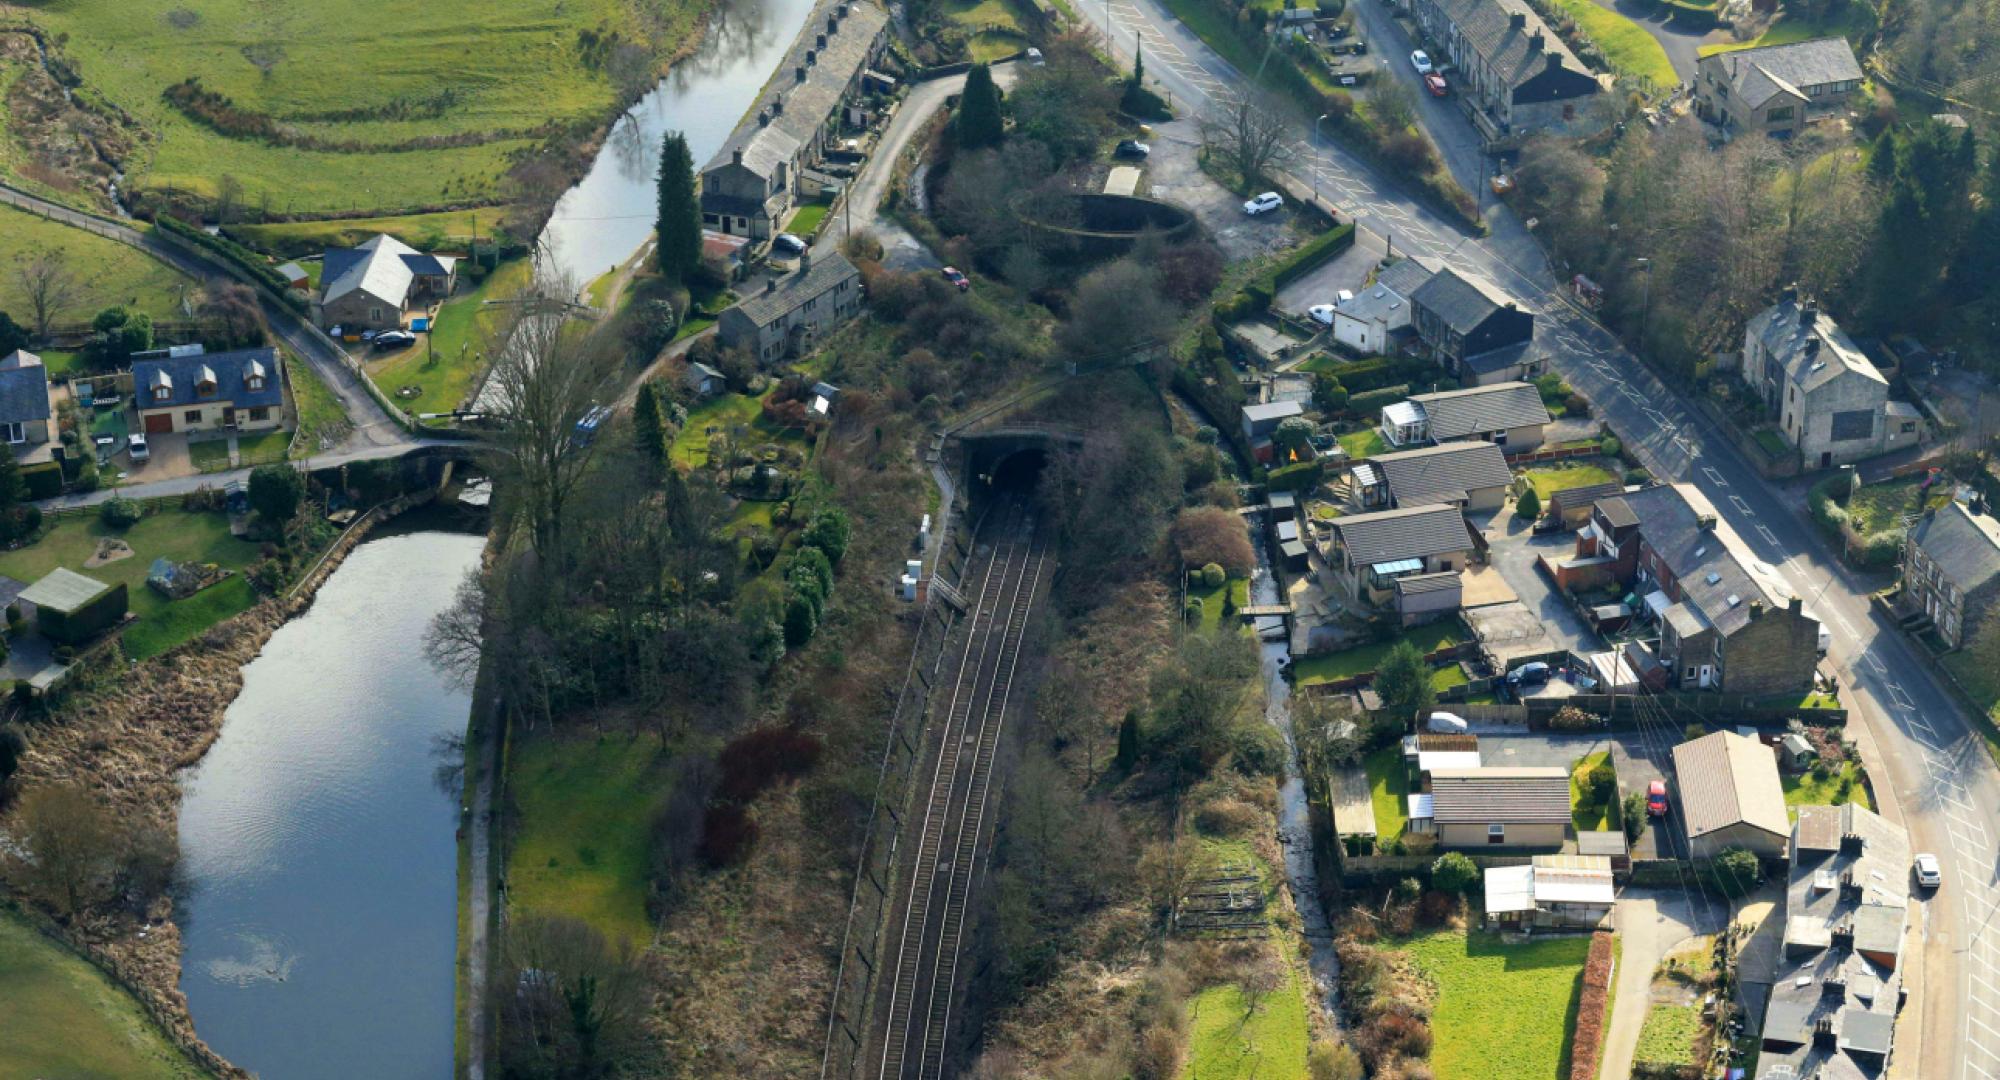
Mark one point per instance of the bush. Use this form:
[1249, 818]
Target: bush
[1257, 749]
[43, 479]
[1212, 576]
[760, 758]
[1192, 612]
[119, 512]
[88, 479]
[1529, 506]
[1735, 872]
[1300, 476]
[1571, 718]
[1453, 872]
[1609, 446]
[1603, 783]
[1634, 815]
[1693, 731]
[1370, 404]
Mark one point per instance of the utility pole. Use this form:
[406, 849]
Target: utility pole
[1645, 302]
[1314, 167]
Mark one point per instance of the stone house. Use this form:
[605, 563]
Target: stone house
[1831, 402]
[373, 286]
[1368, 322]
[1476, 333]
[791, 315]
[1951, 571]
[240, 390]
[1509, 415]
[1517, 75]
[1730, 796]
[24, 403]
[1777, 88]
[1500, 807]
[1370, 551]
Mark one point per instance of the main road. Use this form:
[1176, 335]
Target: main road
[1930, 766]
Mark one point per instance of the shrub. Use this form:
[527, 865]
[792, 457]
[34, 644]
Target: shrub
[1693, 731]
[1257, 749]
[1212, 576]
[1609, 446]
[761, 757]
[1207, 535]
[1634, 815]
[1571, 718]
[1453, 872]
[1586, 1040]
[1529, 506]
[119, 512]
[1332, 1061]
[1603, 783]
[830, 532]
[1300, 476]
[1192, 611]
[1370, 403]
[1735, 872]
[727, 834]
[1436, 907]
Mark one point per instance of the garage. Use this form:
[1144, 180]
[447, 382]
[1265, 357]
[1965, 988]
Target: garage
[159, 423]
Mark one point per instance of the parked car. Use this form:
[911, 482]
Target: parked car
[586, 428]
[1263, 204]
[1035, 58]
[957, 277]
[394, 339]
[1930, 873]
[1445, 723]
[1321, 314]
[1549, 524]
[1656, 798]
[1530, 674]
[789, 244]
[1134, 149]
[1421, 61]
[1434, 82]
[135, 445]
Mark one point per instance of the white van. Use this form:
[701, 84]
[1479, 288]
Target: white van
[1825, 635]
[1445, 723]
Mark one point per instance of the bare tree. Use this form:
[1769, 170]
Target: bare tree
[570, 1002]
[1252, 133]
[1393, 105]
[70, 848]
[1168, 870]
[1262, 976]
[50, 285]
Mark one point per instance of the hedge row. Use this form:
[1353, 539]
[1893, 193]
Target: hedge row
[1299, 476]
[1692, 16]
[1378, 372]
[1587, 1040]
[236, 255]
[1263, 289]
[1372, 401]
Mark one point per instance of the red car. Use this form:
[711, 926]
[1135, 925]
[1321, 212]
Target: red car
[1656, 798]
[957, 277]
[1434, 82]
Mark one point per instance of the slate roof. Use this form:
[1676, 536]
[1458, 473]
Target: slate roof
[1964, 545]
[1502, 358]
[1617, 512]
[815, 280]
[382, 267]
[808, 104]
[1520, 796]
[1443, 473]
[63, 590]
[1460, 302]
[1571, 498]
[1416, 584]
[1390, 293]
[1727, 779]
[1797, 67]
[24, 388]
[1405, 275]
[1272, 410]
[1406, 533]
[229, 368]
[1671, 521]
[1455, 414]
[1516, 54]
[1812, 353]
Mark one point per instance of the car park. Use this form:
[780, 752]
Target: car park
[1133, 148]
[788, 243]
[1930, 872]
[1435, 83]
[394, 339]
[135, 446]
[1421, 61]
[957, 277]
[1656, 798]
[1263, 204]
[1321, 314]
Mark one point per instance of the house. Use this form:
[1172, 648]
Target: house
[1730, 796]
[1568, 892]
[1833, 1000]
[1367, 322]
[24, 402]
[1477, 334]
[1831, 402]
[1509, 415]
[704, 380]
[1370, 551]
[1951, 570]
[241, 390]
[1775, 89]
[371, 287]
[1514, 72]
[1500, 807]
[1422, 598]
[1573, 505]
[765, 165]
[70, 607]
[1471, 475]
[791, 315]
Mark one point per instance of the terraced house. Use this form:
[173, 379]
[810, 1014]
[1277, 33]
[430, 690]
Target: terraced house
[1518, 78]
[1951, 572]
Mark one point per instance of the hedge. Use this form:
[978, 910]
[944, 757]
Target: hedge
[44, 479]
[1373, 400]
[1300, 476]
[1691, 16]
[236, 255]
[1261, 291]
[1378, 372]
[1587, 1039]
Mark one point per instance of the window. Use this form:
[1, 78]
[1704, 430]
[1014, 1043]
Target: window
[254, 382]
[374, 314]
[1690, 673]
[1778, 116]
[1909, 426]
[260, 413]
[1496, 834]
[1499, 438]
[192, 416]
[162, 393]
[15, 433]
[1569, 112]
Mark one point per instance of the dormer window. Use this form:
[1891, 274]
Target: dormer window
[162, 385]
[253, 376]
[204, 382]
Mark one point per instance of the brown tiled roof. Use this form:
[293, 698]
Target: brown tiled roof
[1521, 796]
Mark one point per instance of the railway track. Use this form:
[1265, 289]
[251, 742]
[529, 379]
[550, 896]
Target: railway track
[916, 998]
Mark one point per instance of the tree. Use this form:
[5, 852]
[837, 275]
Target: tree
[1065, 105]
[1328, 395]
[1403, 680]
[231, 317]
[1210, 534]
[12, 746]
[570, 1002]
[12, 335]
[1294, 436]
[117, 333]
[652, 432]
[1736, 872]
[978, 122]
[71, 845]
[679, 223]
[829, 531]
[1634, 816]
[1253, 133]
[1197, 697]
[1453, 872]
[1128, 741]
[1333, 1061]
[276, 492]
[1529, 506]
[1168, 870]
[1393, 105]
[1603, 781]
[1117, 313]
[49, 284]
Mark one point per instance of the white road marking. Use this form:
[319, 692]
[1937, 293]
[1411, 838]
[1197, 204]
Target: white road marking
[1713, 476]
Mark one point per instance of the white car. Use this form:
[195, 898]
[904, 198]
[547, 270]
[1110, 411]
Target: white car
[135, 445]
[1343, 296]
[1321, 314]
[1263, 204]
[1446, 723]
[1421, 61]
[1929, 873]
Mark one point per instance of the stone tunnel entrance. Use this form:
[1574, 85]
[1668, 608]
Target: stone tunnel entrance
[1009, 464]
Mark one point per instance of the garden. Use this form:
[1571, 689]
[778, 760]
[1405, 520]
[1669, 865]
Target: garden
[1388, 791]
[438, 373]
[1593, 793]
[1574, 473]
[1503, 1010]
[1364, 659]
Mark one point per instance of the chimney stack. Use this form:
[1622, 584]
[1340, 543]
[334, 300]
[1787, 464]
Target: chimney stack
[1797, 605]
[832, 26]
[1756, 608]
[805, 261]
[777, 106]
[770, 286]
[1535, 42]
[737, 157]
[1518, 20]
[800, 72]
[1555, 61]
[1790, 295]
[812, 57]
[763, 117]
[822, 41]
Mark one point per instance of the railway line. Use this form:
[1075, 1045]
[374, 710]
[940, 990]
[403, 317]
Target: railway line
[915, 998]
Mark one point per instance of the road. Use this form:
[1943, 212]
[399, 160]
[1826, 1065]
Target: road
[1929, 763]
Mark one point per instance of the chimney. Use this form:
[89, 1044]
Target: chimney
[805, 261]
[1535, 41]
[1790, 295]
[1812, 348]
[770, 286]
[1797, 605]
[737, 157]
[840, 12]
[1808, 315]
[777, 106]
[763, 117]
[1518, 20]
[812, 57]
[1555, 61]
[1756, 609]
[800, 72]
[822, 41]
[832, 27]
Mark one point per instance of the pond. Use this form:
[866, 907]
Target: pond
[320, 928]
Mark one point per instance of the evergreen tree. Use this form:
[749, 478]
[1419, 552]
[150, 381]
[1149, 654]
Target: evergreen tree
[12, 488]
[1403, 680]
[978, 122]
[1128, 740]
[679, 225]
[650, 427]
[1529, 506]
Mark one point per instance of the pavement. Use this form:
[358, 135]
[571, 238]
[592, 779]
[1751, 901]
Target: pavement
[1651, 923]
[1929, 754]
[1173, 174]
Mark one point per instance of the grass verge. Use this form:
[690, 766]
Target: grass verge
[1668, 1036]
[320, 417]
[1627, 46]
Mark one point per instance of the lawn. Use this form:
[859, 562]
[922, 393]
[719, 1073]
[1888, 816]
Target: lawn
[320, 416]
[1430, 638]
[1504, 1012]
[805, 220]
[1388, 790]
[1852, 21]
[263, 449]
[1211, 601]
[1773, 444]
[1882, 507]
[59, 363]
[448, 362]
[1553, 478]
[209, 455]
[452, 229]
[1630, 49]
[65, 1019]
[1228, 1042]
[1364, 443]
[1448, 677]
[1669, 1036]
[690, 449]
[364, 76]
[177, 535]
[1806, 790]
[584, 811]
[1588, 814]
[107, 272]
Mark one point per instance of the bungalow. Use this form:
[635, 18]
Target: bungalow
[1367, 321]
[789, 317]
[24, 402]
[371, 287]
[1478, 334]
[1730, 795]
[1472, 475]
[1776, 88]
[1370, 551]
[1951, 571]
[240, 390]
[1553, 891]
[1509, 415]
[1501, 807]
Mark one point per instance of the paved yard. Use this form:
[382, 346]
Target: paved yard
[168, 459]
[1176, 177]
[1638, 765]
[1348, 270]
[1513, 552]
[1486, 585]
[1539, 750]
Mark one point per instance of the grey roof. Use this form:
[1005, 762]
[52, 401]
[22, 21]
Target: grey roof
[1868, 1032]
[807, 104]
[63, 590]
[1446, 581]
[1408, 533]
[1811, 348]
[181, 373]
[1727, 779]
[1618, 512]
[1502, 358]
[382, 267]
[1405, 275]
[1686, 620]
[1460, 301]
[764, 147]
[1444, 473]
[1964, 545]
[1521, 796]
[1796, 67]
[1608, 842]
[1272, 410]
[1390, 294]
[1517, 54]
[813, 281]
[24, 388]
[1571, 498]
[1455, 414]
[1878, 928]
[1696, 552]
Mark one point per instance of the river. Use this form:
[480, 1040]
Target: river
[607, 216]
[319, 930]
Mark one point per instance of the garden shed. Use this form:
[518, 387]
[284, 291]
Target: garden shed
[70, 607]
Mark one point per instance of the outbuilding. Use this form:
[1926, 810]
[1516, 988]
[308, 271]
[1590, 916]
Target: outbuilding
[70, 607]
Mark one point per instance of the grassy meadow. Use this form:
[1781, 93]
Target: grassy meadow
[108, 272]
[1504, 1012]
[450, 230]
[583, 809]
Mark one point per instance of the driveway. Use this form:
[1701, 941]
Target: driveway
[1348, 270]
[1651, 923]
[1638, 763]
[1513, 551]
[1176, 177]
[168, 460]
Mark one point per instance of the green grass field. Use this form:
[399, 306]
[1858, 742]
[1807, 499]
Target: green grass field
[1388, 790]
[1364, 443]
[108, 273]
[1852, 21]
[805, 220]
[690, 449]
[1773, 444]
[263, 449]
[66, 1021]
[319, 411]
[1226, 1041]
[447, 229]
[399, 69]
[447, 365]
[180, 536]
[1211, 602]
[1668, 1036]
[209, 455]
[1311, 670]
[1504, 1012]
[1587, 813]
[585, 812]
[1630, 49]
[1805, 790]
[1553, 478]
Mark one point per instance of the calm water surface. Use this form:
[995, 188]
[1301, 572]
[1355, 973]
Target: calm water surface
[320, 931]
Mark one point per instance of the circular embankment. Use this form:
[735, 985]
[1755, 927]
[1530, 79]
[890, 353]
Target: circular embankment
[1090, 225]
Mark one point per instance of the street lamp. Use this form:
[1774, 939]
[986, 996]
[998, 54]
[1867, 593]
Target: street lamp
[1645, 300]
[1315, 149]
